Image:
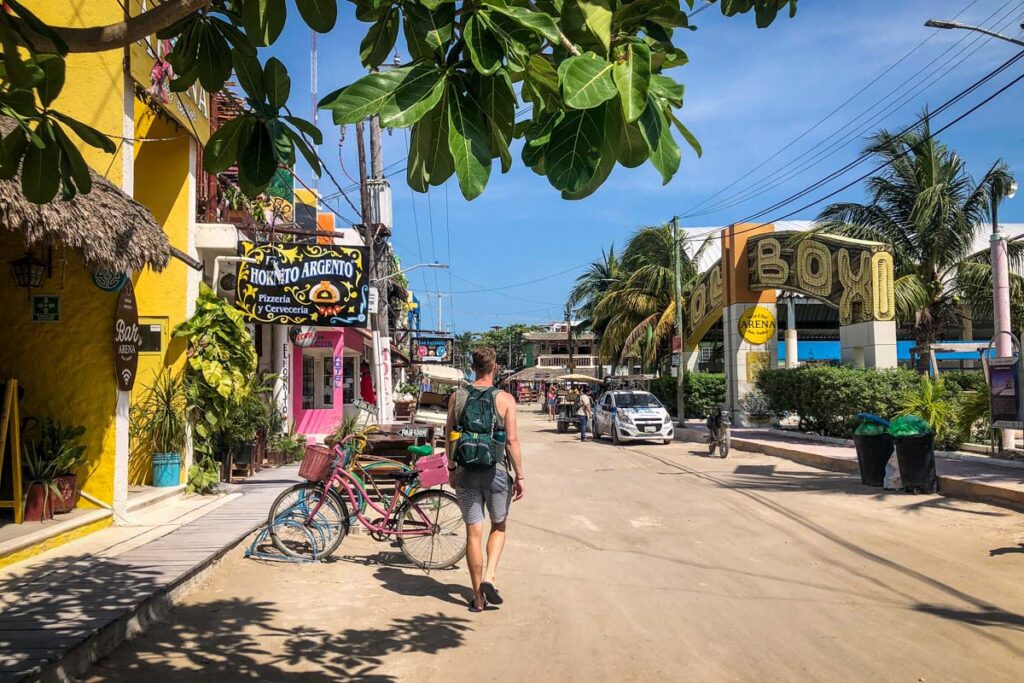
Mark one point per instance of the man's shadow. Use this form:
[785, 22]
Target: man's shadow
[417, 585]
[1006, 551]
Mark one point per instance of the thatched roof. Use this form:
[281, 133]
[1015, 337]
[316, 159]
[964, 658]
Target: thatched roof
[109, 229]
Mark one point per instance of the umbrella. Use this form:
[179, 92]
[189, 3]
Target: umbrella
[587, 379]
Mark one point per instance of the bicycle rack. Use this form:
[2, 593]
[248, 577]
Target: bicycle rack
[263, 540]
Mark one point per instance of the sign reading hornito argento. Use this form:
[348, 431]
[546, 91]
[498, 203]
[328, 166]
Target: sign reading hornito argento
[304, 284]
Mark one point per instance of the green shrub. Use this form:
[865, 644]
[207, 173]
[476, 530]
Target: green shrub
[828, 397]
[704, 391]
[965, 380]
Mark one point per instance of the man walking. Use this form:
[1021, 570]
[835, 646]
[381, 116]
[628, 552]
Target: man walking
[482, 444]
[586, 410]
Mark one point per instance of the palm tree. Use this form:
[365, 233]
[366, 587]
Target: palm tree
[593, 284]
[638, 312]
[462, 346]
[931, 211]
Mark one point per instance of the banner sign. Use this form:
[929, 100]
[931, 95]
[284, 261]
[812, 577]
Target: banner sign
[127, 340]
[304, 284]
[756, 325]
[1004, 392]
[854, 276]
[431, 349]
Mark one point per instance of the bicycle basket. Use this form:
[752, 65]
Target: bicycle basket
[433, 470]
[316, 466]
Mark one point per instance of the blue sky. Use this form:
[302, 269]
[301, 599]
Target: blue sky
[749, 94]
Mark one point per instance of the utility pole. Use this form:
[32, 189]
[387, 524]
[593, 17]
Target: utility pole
[439, 328]
[677, 278]
[568, 320]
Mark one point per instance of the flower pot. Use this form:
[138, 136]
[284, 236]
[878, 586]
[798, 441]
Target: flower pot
[873, 452]
[38, 505]
[68, 485]
[166, 469]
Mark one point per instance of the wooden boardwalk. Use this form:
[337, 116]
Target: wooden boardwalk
[55, 621]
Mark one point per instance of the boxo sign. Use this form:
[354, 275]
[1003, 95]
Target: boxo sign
[757, 325]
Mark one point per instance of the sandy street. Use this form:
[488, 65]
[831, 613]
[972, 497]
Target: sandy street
[645, 563]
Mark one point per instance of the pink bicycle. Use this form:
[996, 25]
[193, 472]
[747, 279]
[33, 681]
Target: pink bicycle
[311, 519]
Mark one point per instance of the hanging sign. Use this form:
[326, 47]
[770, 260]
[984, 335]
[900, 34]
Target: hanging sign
[302, 336]
[304, 284]
[431, 349]
[374, 296]
[1004, 392]
[127, 341]
[360, 404]
[108, 280]
[45, 308]
[757, 325]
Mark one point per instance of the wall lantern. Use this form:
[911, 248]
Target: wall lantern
[30, 272]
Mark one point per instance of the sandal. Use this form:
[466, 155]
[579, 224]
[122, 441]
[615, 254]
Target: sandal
[473, 608]
[491, 593]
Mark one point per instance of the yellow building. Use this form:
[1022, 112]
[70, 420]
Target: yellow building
[59, 337]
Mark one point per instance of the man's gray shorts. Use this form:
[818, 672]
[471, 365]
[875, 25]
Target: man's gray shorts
[492, 488]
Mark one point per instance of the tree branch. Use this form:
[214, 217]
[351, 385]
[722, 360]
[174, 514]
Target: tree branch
[119, 35]
[567, 44]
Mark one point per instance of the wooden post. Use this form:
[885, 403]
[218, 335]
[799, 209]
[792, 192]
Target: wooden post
[10, 423]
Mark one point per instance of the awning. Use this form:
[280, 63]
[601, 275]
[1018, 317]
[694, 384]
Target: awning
[441, 373]
[107, 228]
[575, 378]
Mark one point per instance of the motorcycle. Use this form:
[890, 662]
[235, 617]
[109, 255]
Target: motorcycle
[718, 432]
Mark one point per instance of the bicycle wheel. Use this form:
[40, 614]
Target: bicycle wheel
[437, 514]
[295, 535]
[724, 446]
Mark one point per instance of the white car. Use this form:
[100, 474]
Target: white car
[630, 415]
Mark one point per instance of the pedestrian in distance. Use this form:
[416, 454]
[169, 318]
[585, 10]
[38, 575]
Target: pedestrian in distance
[584, 412]
[552, 402]
[483, 453]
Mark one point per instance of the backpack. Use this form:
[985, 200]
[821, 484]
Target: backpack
[477, 449]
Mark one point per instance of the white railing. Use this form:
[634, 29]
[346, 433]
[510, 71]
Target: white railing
[562, 360]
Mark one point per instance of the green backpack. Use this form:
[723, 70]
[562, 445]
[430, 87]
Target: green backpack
[477, 449]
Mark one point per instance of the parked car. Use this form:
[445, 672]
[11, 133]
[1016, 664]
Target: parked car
[632, 415]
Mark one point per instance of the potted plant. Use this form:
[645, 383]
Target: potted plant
[42, 492]
[59, 445]
[407, 394]
[755, 405]
[157, 421]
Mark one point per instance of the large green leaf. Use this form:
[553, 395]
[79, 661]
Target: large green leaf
[467, 140]
[88, 134]
[484, 49]
[40, 169]
[221, 151]
[213, 58]
[276, 82]
[586, 81]
[303, 146]
[319, 15]
[379, 40]
[257, 161]
[433, 26]
[12, 149]
[306, 128]
[520, 42]
[263, 19]
[534, 158]
[665, 154]
[434, 4]
[249, 74]
[418, 93]
[430, 159]
[607, 153]
[52, 82]
[664, 86]
[75, 168]
[632, 74]
[497, 100]
[597, 15]
[690, 138]
[365, 97]
[574, 152]
[633, 150]
[540, 23]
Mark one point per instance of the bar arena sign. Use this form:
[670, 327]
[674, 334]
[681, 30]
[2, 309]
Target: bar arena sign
[127, 340]
[304, 284]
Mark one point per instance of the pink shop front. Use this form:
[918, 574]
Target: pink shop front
[323, 377]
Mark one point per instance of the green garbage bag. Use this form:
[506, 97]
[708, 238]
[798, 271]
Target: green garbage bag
[869, 429]
[909, 425]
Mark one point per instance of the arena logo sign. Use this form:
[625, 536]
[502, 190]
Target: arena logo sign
[304, 284]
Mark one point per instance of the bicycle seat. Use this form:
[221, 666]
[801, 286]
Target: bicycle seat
[403, 474]
[425, 449]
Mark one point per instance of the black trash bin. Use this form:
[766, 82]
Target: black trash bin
[916, 456]
[873, 452]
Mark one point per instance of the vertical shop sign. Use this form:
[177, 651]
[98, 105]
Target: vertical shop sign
[127, 341]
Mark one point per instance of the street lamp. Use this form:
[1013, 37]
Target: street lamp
[439, 266]
[941, 23]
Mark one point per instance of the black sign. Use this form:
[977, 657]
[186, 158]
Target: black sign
[304, 284]
[1004, 392]
[127, 340]
[431, 349]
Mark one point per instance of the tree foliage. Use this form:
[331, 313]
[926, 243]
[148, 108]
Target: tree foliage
[594, 72]
[505, 338]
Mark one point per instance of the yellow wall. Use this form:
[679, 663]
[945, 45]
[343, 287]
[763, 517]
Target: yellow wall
[161, 183]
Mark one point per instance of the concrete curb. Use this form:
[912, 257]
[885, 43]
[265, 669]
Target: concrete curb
[954, 486]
